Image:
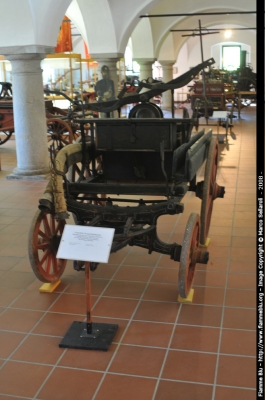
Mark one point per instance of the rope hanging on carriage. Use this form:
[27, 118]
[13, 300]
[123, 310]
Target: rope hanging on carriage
[54, 192]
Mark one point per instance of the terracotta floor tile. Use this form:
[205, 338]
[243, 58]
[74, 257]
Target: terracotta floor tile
[195, 338]
[22, 371]
[208, 295]
[92, 359]
[238, 342]
[243, 208]
[142, 361]
[192, 314]
[220, 230]
[17, 280]
[9, 340]
[71, 304]
[8, 219]
[244, 231]
[244, 223]
[15, 229]
[161, 292]
[14, 250]
[247, 252]
[77, 287]
[209, 278]
[132, 273]
[117, 258]
[157, 311]
[237, 371]
[64, 282]
[144, 260]
[39, 349]
[68, 384]
[125, 289]
[122, 325]
[23, 265]
[35, 300]
[240, 298]
[166, 262]
[19, 320]
[97, 286]
[165, 275]
[55, 324]
[148, 334]
[175, 237]
[6, 263]
[227, 222]
[115, 308]
[218, 251]
[246, 266]
[7, 238]
[168, 390]
[24, 220]
[104, 271]
[239, 215]
[236, 318]
[241, 281]
[184, 366]
[216, 264]
[217, 240]
[8, 295]
[218, 206]
[225, 393]
[243, 242]
[130, 388]
[7, 397]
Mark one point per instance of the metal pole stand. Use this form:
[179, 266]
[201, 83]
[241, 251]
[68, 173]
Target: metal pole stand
[88, 335]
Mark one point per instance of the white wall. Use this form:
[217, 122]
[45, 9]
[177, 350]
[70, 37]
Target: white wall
[212, 48]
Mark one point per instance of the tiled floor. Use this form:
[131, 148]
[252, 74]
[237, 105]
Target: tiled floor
[163, 350]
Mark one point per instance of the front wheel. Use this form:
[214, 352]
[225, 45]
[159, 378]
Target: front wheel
[43, 243]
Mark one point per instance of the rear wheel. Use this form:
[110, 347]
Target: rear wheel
[146, 110]
[6, 135]
[59, 135]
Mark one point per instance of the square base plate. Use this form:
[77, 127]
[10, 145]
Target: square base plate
[100, 339]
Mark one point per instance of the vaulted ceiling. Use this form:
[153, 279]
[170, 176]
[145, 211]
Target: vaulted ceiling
[107, 25]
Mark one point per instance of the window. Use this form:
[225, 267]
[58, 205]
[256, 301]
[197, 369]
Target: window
[231, 57]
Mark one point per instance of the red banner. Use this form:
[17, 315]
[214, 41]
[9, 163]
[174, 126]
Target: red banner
[64, 39]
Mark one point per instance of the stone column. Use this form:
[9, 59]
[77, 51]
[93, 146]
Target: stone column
[29, 117]
[146, 70]
[167, 76]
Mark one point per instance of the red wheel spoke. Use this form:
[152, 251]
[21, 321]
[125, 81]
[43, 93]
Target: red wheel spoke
[59, 228]
[64, 141]
[48, 265]
[43, 246]
[46, 225]
[43, 234]
[45, 256]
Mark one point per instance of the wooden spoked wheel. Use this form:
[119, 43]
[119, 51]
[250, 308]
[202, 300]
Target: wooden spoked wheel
[190, 255]
[43, 243]
[211, 190]
[59, 134]
[6, 135]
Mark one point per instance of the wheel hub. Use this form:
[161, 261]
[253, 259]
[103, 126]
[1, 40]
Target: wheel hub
[54, 243]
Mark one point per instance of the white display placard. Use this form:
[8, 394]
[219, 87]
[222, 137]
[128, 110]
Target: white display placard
[86, 243]
[219, 114]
